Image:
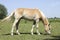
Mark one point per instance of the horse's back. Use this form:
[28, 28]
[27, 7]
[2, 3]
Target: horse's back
[28, 13]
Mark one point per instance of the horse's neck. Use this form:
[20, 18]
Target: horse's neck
[45, 21]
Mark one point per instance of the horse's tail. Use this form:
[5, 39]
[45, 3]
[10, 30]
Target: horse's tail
[8, 17]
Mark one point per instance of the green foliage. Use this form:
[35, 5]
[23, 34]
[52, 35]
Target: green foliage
[54, 19]
[3, 11]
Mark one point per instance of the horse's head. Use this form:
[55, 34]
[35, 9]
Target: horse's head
[47, 25]
[47, 28]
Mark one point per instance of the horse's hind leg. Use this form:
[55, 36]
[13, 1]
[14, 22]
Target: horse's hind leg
[14, 24]
[17, 27]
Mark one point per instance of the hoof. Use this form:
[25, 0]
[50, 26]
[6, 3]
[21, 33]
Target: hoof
[31, 33]
[38, 33]
[11, 34]
[18, 33]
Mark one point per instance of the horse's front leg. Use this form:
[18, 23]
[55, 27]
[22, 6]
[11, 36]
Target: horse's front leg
[37, 22]
[33, 27]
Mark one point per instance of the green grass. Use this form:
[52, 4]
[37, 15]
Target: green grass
[24, 29]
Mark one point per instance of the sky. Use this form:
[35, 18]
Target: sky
[51, 8]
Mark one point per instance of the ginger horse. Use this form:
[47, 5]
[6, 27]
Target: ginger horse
[31, 14]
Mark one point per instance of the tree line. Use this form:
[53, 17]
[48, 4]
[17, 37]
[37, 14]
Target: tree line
[3, 11]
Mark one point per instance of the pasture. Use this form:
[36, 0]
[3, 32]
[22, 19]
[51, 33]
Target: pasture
[25, 28]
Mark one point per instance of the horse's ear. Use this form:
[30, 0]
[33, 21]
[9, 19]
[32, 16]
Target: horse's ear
[48, 24]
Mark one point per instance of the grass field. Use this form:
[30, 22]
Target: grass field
[24, 29]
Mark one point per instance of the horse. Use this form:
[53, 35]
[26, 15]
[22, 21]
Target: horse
[30, 14]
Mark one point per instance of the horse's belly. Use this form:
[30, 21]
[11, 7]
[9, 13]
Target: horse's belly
[28, 17]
